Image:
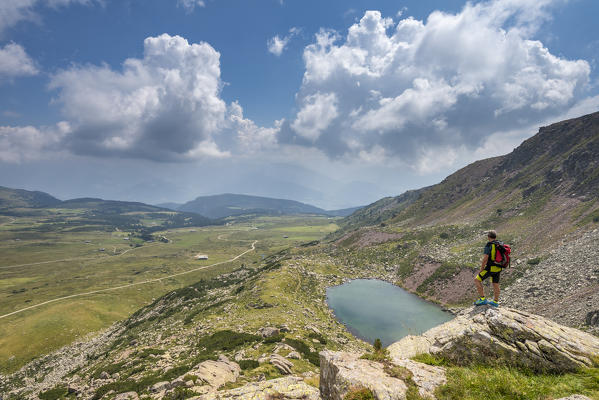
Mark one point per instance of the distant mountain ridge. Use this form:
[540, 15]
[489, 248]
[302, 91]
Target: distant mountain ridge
[20, 198]
[228, 204]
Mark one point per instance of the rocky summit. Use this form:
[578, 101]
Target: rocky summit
[487, 334]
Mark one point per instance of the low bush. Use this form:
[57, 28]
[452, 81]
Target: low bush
[534, 261]
[317, 336]
[56, 393]
[304, 350]
[359, 394]
[226, 340]
[274, 339]
[248, 364]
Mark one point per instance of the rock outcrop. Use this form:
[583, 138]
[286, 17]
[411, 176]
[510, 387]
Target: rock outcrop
[487, 334]
[216, 373]
[342, 372]
[288, 388]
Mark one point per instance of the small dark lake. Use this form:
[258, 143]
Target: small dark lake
[376, 309]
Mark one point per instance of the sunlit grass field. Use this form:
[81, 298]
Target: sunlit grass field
[37, 266]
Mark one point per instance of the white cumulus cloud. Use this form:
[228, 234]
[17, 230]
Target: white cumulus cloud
[276, 45]
[14, 11]
[411, 89]
[166, 106]
[163, 106]
[316, 115]
[25, 143]
[15, 62]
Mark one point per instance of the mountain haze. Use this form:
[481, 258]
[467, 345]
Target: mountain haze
[225, 205]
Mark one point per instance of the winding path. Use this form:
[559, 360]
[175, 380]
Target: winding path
[131, 284]
[78, 258]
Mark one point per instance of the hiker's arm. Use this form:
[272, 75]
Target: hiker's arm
[484, 263]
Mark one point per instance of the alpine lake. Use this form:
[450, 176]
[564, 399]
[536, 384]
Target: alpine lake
[373, 309]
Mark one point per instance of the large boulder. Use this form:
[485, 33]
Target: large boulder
[488, 334]
[216, 373]
[341, 372]
[287, 388]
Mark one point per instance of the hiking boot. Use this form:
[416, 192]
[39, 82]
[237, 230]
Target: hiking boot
[480, 302]
[493, 303]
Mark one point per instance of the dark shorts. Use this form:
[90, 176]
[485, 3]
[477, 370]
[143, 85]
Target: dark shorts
[486, 273]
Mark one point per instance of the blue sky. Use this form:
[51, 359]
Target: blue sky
[355, 103]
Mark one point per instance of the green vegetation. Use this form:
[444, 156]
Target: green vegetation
[378, 353]
[248, 364]
[499, 382]
[56, 393]
[502, 383]
[304, 350]
[61, 259]
[359, 394]
[534, 261]
[226, 340]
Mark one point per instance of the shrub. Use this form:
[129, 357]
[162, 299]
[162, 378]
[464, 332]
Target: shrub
[359, 394]
[596, 219]
[534, 261]
[317, 336]
[444, 235]
[429, 359]
[378, 346]
[226, 340]
[248, 364]
[274, 339]
[304, 349]
[54, 393]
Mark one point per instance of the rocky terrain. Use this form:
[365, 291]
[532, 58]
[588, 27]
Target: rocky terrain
[563, 286]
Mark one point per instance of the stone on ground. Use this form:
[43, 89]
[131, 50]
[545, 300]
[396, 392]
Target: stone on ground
[342, 372]
[287, 388]
[488, 334]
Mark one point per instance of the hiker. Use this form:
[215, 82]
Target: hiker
[489, 268]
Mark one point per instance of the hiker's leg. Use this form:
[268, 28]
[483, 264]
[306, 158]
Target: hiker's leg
[479, 286]
[496, 291]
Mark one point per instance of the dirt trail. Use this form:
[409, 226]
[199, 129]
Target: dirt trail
[79, 258]
[131, 284]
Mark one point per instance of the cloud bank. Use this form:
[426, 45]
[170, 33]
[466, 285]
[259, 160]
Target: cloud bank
[424, 90]
[424, 94]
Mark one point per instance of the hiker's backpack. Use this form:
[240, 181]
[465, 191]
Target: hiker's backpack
[500, 254]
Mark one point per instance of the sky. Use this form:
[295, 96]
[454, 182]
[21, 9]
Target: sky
[333, 103]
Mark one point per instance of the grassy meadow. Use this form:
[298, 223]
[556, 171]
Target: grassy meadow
[40, 263]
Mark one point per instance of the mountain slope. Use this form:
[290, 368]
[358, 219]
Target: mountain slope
[559, 163]
[224, 205]
[19, 198]
[109, 206]
[539, 197]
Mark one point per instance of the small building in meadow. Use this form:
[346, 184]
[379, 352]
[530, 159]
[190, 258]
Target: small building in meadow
[201, 257]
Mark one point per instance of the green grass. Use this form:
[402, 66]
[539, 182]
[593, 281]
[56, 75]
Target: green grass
[506, 383]
[40, 330]
[502, 383]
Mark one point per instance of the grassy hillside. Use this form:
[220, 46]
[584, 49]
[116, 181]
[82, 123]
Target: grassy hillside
[224, 205]
[43, 261]
[19, 198]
